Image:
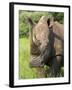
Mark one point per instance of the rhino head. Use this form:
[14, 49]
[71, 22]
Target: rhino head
[39, 33]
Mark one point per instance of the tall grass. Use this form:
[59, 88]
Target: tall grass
[25, 72]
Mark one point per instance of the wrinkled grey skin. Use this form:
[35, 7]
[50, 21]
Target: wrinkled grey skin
[47, 45]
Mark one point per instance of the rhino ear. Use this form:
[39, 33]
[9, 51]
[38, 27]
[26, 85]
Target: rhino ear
[48, 21]
[30, 21]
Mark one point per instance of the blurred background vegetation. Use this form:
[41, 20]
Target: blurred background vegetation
[23, 23]
[25, 72]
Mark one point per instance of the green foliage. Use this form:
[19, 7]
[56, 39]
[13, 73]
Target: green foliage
[35, 15]
[58, 16]
[25, 72]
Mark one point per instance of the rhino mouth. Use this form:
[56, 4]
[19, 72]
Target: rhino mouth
[41, 60]
[36, 61]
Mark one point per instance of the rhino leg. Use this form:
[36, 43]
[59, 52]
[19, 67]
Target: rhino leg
[54, 70]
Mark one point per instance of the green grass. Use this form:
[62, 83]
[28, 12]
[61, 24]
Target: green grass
[25, 72]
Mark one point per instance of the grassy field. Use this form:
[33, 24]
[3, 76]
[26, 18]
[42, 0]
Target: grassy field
[25, 72]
